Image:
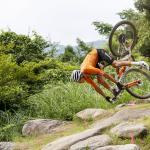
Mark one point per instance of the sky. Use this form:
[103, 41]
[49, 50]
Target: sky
[60, 21]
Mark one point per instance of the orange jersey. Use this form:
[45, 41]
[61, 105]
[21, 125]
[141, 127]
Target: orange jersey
[89, 64]
[90, 60]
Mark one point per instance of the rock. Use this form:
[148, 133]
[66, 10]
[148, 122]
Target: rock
[7, 146]
[121, 105]
[40, 126]
[92, 143]
[123, 115]
[120, 147]
[126, 130]
[147, 100]
[90, 113]
[65, 142]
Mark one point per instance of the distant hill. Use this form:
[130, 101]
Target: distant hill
[95, 44]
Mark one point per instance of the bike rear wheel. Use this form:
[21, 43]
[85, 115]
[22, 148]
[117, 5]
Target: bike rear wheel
[142, 90]
[122, 39]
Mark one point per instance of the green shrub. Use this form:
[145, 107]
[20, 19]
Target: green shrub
[6, 132]
[65, 100]
[11, 123]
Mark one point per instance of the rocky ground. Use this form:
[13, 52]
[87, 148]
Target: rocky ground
[115, 129]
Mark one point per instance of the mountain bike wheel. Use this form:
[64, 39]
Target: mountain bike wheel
[142, 90]
[122, 39]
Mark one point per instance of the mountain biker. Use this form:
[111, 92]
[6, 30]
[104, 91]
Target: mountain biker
[93, 64]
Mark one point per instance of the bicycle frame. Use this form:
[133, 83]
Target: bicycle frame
[120, 72]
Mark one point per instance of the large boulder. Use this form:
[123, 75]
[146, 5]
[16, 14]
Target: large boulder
[92, 143]
[120, 147]
[129, 129]
[90, 113]
[40, 126]
[123, 115]
[7, 146]
[147, 100]
[65, 142]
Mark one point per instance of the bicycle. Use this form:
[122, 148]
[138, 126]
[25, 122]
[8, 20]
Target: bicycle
[135, 80]
[122, 39]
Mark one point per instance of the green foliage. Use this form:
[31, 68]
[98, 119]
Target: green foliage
[11, 89]
[144, 37]
[6, 132]
[20, 80]
[63, 101]
[129, 14]
[11, 124]
[143, 6]
[22, 47]
[142, 25]
[102, 28]
[82, 50]
[141, 22]
[69, 54]
[52, 51]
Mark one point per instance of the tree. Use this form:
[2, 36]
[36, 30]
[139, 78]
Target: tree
[11, 89]
[82, 50]
[130, 15]
[69, 54]
[141, 22]
[22, 47]
[143, 6]
[143, 25]
[102, 28]
[52, 49]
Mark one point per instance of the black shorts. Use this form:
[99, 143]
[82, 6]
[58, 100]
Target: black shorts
[104, 57]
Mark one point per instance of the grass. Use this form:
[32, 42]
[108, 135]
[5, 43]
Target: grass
[61, 101]
[144, 143]
[36, 143]
[64, 101]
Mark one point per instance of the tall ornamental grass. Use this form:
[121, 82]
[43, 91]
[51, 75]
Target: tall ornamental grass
[64, 100]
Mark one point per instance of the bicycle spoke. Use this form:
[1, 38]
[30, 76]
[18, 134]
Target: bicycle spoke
[123, 34]
[143, 89]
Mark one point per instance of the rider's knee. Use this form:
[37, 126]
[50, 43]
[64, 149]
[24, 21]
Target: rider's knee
[115, 64]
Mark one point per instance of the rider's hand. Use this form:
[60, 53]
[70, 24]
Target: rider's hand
[144, 65]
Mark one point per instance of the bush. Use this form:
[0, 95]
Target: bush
[11, 124]
[63, 101]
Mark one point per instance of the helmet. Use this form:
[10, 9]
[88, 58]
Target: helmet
[76, 75]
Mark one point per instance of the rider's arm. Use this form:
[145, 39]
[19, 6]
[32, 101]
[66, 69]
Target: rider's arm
[93, 84]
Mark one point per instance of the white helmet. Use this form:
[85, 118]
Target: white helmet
[76, 75]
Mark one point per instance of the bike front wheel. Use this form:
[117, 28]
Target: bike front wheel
[142, 89]
[123, 38]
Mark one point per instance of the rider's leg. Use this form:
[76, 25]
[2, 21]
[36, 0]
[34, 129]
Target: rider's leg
[104, 83]
[92, 70]
[119, 63]
[94, 85]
